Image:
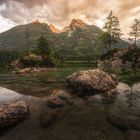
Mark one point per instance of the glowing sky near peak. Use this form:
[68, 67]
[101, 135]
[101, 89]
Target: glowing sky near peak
[61, 12]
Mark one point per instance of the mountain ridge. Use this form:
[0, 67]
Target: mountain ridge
[77, 35]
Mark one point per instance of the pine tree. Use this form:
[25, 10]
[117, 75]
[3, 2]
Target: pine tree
[43, 46]
[135, 30]
[112, 31]
[49, 57]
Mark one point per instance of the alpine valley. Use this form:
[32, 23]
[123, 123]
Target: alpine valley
[79, 37]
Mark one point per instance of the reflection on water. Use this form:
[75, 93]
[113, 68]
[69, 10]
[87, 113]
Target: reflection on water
[40, 84]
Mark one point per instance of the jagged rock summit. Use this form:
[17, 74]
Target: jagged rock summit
[77, 23]
[54, 29]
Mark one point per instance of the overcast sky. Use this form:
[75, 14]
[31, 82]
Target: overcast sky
[61, 12]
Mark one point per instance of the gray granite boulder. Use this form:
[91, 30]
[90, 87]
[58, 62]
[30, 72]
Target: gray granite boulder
[92, 81]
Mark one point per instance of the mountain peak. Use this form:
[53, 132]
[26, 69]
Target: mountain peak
[36, 21]
[77, 23]
[53, 28]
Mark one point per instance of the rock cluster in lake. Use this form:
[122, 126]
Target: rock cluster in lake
[45, 111]
[32, 70]
[15, 107]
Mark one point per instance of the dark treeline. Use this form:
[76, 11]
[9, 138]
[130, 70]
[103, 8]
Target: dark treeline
[7, 57]
[79, 57]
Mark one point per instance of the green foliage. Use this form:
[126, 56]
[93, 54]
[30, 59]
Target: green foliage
[30, 60]
[105, 38]
[129, 76]
[7, 57]
[43, 47]
[112, 31]
[109, 54]
[135, 30]
[49, 57]
[132, 55]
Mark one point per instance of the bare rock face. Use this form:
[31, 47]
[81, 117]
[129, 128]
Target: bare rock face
[11, 114]
[92, 81]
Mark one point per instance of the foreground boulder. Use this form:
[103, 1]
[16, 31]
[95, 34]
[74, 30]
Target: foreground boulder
[11, 114]
[92, 81]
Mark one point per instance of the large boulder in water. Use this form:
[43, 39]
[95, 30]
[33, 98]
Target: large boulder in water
[13, 113]
[92, 81]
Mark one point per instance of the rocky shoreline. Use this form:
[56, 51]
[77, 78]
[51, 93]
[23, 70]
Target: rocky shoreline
[33, 70]
[14, 107]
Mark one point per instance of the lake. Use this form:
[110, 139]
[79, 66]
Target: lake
[42, 84]
[84, 120]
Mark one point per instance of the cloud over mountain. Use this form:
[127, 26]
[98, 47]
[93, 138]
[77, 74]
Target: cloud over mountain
[61, 12]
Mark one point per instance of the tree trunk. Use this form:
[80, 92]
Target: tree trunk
[11, 114]
[134, 63]
[135, 40]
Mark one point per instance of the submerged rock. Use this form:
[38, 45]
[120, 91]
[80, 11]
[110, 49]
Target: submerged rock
[57, 102]
[92, 81]
[11, 114]
[132, 135]
[95, 99]
[58, 99]
[125, 123]
[49, 116]
[119, 121]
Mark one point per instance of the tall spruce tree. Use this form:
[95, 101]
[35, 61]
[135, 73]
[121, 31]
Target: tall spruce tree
[43, 46]
[112, 31]
[135, 30]
[49, 57]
